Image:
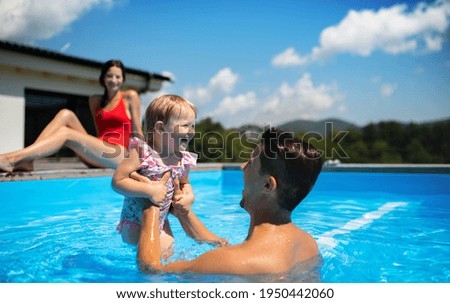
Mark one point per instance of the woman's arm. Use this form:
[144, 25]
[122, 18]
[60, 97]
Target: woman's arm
[94, 102]
[134, 106]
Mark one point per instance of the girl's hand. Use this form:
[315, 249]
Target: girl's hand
[221, 242]
[182, 199]
[157, 189]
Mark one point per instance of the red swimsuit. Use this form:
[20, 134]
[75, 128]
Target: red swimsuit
[114, 126]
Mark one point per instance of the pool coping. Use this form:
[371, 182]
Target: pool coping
[46, 169]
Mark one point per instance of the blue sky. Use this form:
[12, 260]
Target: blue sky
[262, 61]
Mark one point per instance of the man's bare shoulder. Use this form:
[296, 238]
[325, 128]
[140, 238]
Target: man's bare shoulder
[304, 245]
[283, 247]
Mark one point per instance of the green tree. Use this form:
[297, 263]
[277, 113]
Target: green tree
[385, 142]
[416, 153]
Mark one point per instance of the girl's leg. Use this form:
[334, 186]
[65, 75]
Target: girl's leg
[130, 235]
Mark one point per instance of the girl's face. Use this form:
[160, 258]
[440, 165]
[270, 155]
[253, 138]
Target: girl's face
[180, 130]
[113, 78]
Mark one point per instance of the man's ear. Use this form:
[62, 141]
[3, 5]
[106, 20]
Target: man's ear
[159, 126]
[271, 184]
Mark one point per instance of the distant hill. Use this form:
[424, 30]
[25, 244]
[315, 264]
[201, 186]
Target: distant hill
[316, 126]
[433, 122]
[338, 124]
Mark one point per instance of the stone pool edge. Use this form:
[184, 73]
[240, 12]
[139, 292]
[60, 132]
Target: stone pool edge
[47, 169]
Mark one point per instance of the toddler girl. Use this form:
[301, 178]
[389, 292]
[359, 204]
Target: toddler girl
[157, 171]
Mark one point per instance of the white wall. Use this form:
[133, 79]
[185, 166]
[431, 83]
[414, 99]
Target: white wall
[12, 123]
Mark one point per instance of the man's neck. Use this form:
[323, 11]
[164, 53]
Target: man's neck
[264, 224]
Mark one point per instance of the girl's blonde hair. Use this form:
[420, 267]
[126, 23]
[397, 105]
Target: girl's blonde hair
[162, 109]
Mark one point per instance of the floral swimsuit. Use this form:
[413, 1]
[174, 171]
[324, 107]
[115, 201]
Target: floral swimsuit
[153, 167]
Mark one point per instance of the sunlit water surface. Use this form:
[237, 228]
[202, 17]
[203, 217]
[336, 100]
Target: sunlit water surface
[370, 228]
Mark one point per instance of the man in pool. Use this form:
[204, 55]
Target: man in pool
[281, 171]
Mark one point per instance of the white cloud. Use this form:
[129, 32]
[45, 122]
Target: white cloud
[30, 20]
[434, 43]
[388, 89]
[301, 100]
[200, 94]
[391, 30]
[222, 82]
[289, 58]
[230, 106]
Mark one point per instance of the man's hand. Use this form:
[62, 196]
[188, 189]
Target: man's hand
[157, 189]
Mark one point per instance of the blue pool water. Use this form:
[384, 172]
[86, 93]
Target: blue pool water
[370, 228]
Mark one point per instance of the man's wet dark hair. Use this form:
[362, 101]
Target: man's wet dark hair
[293, 163]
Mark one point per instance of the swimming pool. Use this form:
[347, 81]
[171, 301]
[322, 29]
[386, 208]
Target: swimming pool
[371, 227]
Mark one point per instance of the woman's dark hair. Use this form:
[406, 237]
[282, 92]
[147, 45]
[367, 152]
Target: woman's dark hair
[293, 163]
[101, 79]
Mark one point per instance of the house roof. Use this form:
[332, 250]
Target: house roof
[44, 53]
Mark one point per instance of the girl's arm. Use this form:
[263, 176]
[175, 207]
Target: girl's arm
[138, 186]
[197, 230]
[183, 200]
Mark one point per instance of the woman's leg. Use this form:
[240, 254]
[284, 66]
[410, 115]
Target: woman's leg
[56, 135]
[65, 130]
[64, 117]
[89, 148]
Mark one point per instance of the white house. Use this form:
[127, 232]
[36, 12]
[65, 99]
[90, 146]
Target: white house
[36, 83]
